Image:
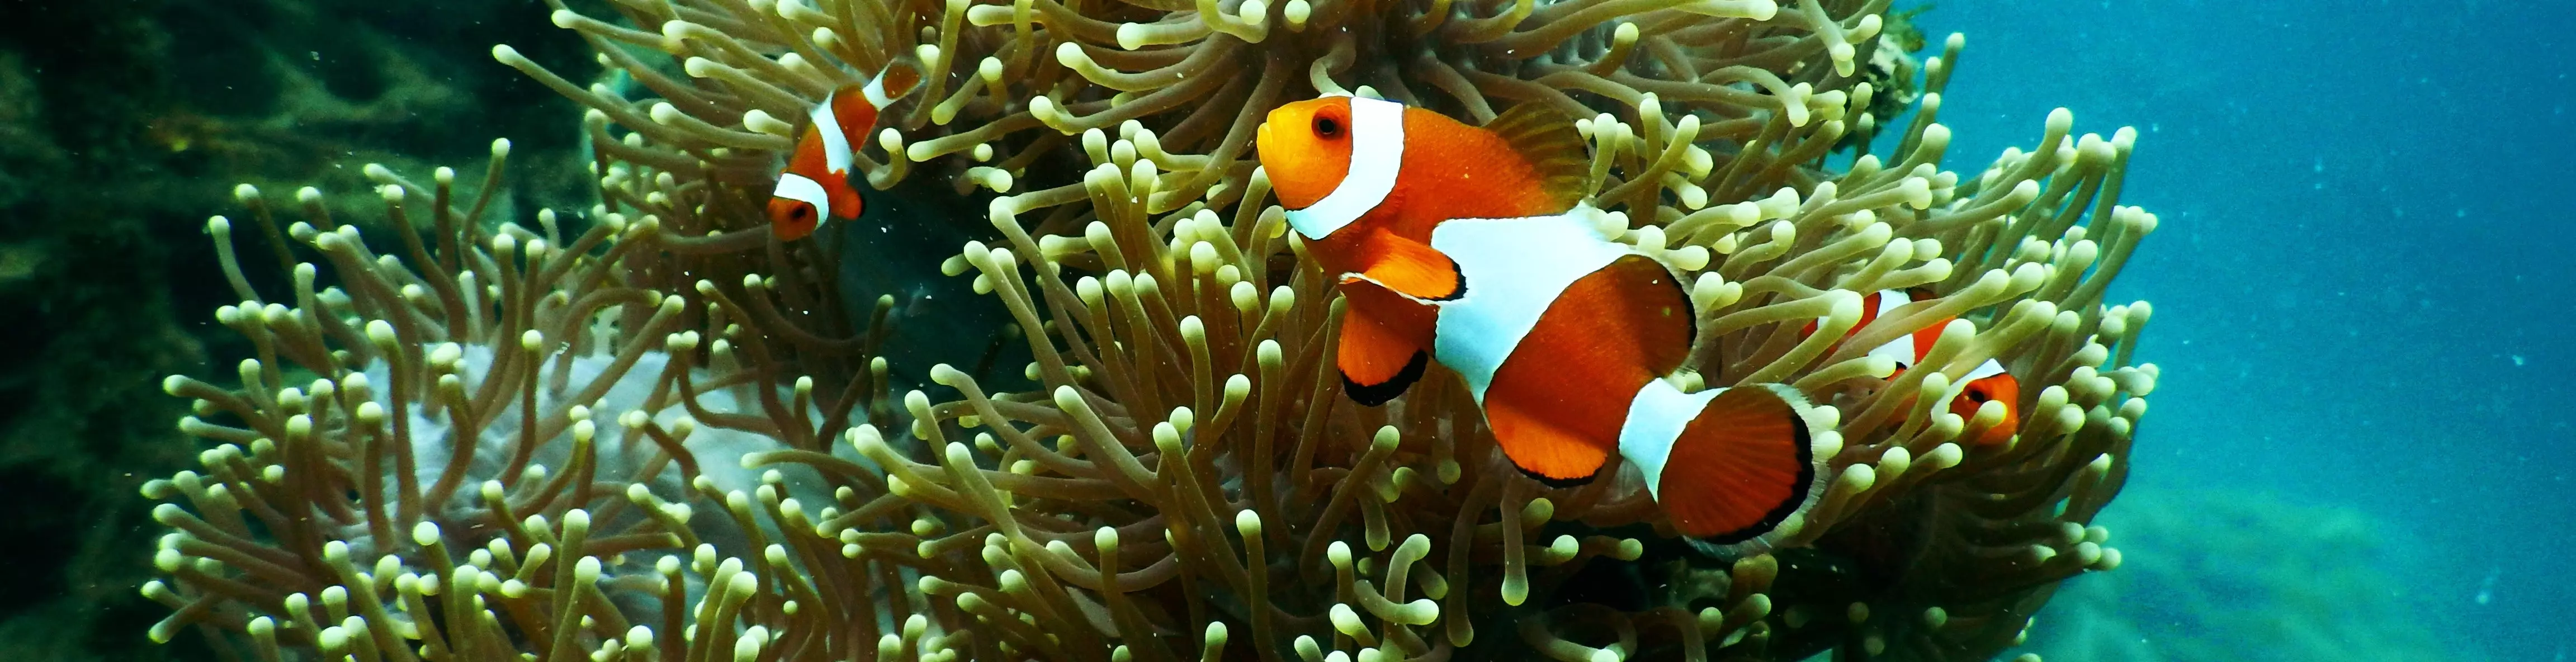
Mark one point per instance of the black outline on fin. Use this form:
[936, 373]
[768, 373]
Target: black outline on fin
[1560, 483]
[1457, 280]
[1798, 497]
[1371, 395]
[1456, 274]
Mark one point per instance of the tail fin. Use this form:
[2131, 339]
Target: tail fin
[854, 108]
[1727, 465]
[898, 78]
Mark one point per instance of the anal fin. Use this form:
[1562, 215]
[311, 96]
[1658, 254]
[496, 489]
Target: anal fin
[1549, 453]
[1383, 346]
[1388, 388]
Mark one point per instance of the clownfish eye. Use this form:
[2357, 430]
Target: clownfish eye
[1977, 395]
[1328, 127]
[804, 212]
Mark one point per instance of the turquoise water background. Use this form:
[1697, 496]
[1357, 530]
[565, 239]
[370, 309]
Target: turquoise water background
[2362, 296]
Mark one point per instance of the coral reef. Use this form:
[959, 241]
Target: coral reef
[420, 461]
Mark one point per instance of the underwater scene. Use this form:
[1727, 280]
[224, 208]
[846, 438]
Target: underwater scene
[1286, 330]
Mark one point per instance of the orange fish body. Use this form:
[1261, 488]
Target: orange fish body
[1987, 382]
[815, 186]
[1400, 192]
[1467, 245]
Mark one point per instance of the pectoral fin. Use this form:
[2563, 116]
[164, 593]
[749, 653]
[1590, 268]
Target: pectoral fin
[1413, 268]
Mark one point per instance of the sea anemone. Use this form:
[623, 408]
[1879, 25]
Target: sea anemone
[500, 409]
[1174, 474]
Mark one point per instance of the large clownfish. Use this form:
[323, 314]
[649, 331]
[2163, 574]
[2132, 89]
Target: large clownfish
[815, 186]
[1988, 382]
[1466, 245]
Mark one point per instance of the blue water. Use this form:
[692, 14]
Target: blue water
[2361, 276]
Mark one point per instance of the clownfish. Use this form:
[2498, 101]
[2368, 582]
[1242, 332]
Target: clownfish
[1988, 382]
[815, 186]
[1469, 246]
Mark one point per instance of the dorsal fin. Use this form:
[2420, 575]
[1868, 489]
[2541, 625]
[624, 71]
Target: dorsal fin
[1546, 138]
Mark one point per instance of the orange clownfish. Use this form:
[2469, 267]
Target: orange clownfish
[815, 186]
[1468, 246]
[1988, 382]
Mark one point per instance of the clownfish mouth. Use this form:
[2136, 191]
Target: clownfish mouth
[1263, 145]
